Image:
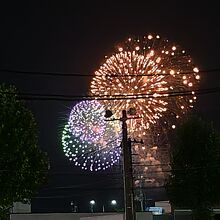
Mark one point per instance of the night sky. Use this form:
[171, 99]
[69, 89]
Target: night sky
[74, 37]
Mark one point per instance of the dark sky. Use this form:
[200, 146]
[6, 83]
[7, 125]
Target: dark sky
[73, 37]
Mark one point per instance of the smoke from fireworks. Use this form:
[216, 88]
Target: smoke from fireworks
[152, 157]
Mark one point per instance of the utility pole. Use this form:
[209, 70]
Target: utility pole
[127, 171]
[127, 165]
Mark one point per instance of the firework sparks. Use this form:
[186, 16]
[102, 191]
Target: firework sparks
[89, 140]
[87, 121]
[147, 72]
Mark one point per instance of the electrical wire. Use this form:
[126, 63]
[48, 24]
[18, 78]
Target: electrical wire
[62, 97]
[61, 74]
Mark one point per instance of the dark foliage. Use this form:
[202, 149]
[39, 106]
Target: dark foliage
[23, 165]
[195, 162]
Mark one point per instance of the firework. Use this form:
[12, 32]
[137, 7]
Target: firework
[149, 74]
[87, 121]
[89, 140]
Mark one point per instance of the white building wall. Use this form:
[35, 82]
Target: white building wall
[78, 216]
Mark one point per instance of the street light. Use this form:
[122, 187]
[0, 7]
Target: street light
[92, 203]
[114, 202]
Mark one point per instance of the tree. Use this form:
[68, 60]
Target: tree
[23, 165]
[195, 168]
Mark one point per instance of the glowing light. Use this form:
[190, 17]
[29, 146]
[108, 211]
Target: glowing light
[92, 202]
[120, 49]
[197, 76]
[150, 37]
[113, 202]
[172, 72]
[195, 69]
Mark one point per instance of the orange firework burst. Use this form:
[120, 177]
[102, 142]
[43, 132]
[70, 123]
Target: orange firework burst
[149, 74]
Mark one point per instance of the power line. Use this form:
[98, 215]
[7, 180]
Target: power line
[62, 97]
[123, 97]
[39, 73]
[61, 74]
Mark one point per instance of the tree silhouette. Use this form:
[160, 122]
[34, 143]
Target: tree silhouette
[195, 168]
[23, 165]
